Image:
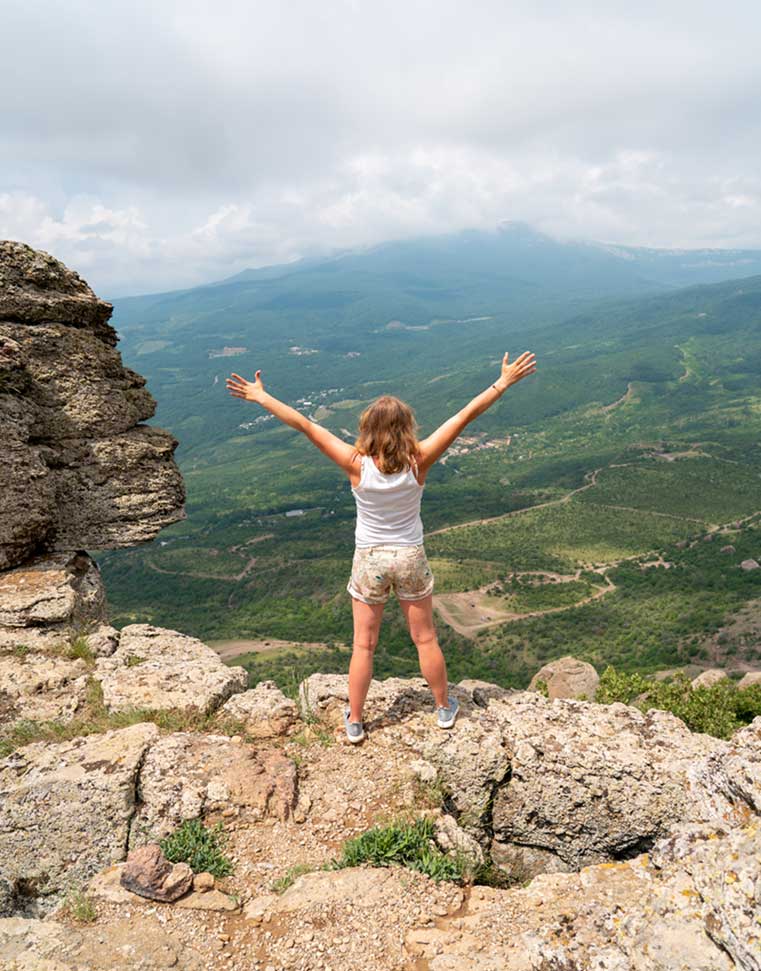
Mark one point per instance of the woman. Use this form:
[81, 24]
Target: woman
[387, 467]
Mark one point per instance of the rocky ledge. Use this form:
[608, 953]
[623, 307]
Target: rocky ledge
[624, 839]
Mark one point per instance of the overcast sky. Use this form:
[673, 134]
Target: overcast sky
[154, 144]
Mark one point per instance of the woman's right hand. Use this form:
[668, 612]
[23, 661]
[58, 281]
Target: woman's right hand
[248, 390]
[520, 367]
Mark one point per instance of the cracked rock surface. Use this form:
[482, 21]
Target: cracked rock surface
[77, 466]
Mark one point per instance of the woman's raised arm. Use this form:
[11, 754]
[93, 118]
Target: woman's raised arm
[438, 442]
[331, 445]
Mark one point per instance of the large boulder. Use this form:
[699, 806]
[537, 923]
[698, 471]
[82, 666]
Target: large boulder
[590, 783]
[187, 775]
[749, 679]
[162, 669]
[567, 677]
[708, 678]
[264, 711]
[66, 809]
[79, 469]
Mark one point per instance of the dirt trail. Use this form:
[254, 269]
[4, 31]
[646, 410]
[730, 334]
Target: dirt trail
[592, 476]
[620, 401]
[227, 650]
[232, 578]
[445, 603]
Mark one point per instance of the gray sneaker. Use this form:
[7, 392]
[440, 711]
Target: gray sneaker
[355, 731]
[445, 716]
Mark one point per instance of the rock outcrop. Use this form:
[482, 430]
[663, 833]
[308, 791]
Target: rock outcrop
[66, 811]
[567, 677]
[78, 468]
[160, 669]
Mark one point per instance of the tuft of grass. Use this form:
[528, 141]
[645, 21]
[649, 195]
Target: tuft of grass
[79, 648]
[20, 650]
[541, 687]
[201, 847]
[428, 795]
[291, 874]
[133, 660]
[409, 844]
[80, 907]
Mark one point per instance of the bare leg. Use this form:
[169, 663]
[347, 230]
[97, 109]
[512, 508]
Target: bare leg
[433, 667]
[367, 621]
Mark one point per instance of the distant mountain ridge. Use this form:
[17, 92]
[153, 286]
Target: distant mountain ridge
[514, 249]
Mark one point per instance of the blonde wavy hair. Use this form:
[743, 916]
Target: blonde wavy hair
[388, 432]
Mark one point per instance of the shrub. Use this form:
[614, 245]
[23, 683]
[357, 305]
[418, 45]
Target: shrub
[405, 843]
[199, 846]
[718, 709]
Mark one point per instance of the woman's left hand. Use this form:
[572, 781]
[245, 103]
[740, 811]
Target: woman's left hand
[248, 390]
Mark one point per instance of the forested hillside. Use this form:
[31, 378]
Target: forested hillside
[637, 437]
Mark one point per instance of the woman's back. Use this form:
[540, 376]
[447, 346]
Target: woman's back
[388, 507]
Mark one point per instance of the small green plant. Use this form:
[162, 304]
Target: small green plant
[133, 660]
[20, 650]
[619, 686]
[80, 907]
[282, 883]
[428, 795]
[79, 648]
[541, 687]
[490, 875]
[201, 847]
[405, 843]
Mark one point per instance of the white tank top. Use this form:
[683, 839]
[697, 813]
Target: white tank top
[388, 507]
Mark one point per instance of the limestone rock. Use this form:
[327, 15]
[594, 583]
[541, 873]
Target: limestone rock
[65, 808]
[208, 900]
[265, 710]
[482, 691]
[187, 775]
[453, 839]
[77, 466]
[567, 677]
[729, 777]
[162, 669]
[36, 287]
[748, 679]
[325, 695]
[749, 564]
[693, 904]
[202, 882]
[148, 873]
[47, 945]
[472, 763]
[255, 909]
[37, 687]
[103, 640]
[590, 783]
[727, 549]
[364, 887]
[50, 600]
[707, 679]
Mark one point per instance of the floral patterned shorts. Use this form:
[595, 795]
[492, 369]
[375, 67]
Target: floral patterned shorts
[376, 569]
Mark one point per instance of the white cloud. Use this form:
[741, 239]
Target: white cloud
[160, 145]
